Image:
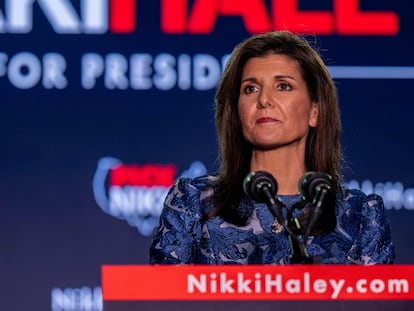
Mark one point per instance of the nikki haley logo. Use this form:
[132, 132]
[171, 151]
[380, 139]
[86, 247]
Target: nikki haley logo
[198, 16]
[136, 193]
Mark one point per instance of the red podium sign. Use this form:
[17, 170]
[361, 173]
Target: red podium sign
[257, 282]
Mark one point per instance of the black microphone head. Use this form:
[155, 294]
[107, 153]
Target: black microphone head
[311, 181]
[311, 185]
[255, 182]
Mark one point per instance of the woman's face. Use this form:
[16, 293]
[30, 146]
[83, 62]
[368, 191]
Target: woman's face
[274, 105]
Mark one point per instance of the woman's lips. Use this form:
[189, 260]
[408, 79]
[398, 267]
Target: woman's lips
[266, 120]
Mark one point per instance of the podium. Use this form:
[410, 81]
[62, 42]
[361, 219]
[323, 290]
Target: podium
[258, 287]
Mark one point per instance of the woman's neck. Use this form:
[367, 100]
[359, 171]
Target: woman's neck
[287, 167]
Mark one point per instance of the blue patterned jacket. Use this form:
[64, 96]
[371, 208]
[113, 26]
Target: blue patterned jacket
[362, 234]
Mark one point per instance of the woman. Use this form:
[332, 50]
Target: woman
[276, 111]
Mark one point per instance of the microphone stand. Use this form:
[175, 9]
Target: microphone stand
[320, 196]
[316, 188]
[299, 253]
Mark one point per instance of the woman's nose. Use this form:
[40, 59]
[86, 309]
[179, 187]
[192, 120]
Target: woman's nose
[264, 100]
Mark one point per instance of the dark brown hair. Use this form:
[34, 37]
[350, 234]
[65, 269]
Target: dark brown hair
[323, 150]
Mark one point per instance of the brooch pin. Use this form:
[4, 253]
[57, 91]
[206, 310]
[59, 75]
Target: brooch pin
[277, 227]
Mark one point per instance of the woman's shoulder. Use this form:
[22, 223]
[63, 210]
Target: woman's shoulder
[355, 201]
[198, 184]
[191, 193]
[356, 196]
[363, 217]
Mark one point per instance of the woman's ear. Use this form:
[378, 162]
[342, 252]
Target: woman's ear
[313, 119]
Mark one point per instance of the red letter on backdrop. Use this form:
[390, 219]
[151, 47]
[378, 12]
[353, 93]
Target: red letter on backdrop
[350, 21]
[205, 12]
[122, 16]
[174, 16]
[286, 16]
[147, 175]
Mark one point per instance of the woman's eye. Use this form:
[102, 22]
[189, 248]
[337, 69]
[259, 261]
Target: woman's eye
[284, 86]
[250, 89]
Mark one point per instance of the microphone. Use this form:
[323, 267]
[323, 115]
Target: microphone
[261, 186]
[319, 190]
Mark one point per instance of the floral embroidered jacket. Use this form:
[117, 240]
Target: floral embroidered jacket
[362, 234]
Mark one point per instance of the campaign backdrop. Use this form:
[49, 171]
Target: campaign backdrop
[104, 103]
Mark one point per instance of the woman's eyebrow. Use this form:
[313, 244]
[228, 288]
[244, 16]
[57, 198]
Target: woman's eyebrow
[250, 79]
[284, 77]
[253, 79]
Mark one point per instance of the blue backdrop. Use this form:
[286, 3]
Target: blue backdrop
[105, 103]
